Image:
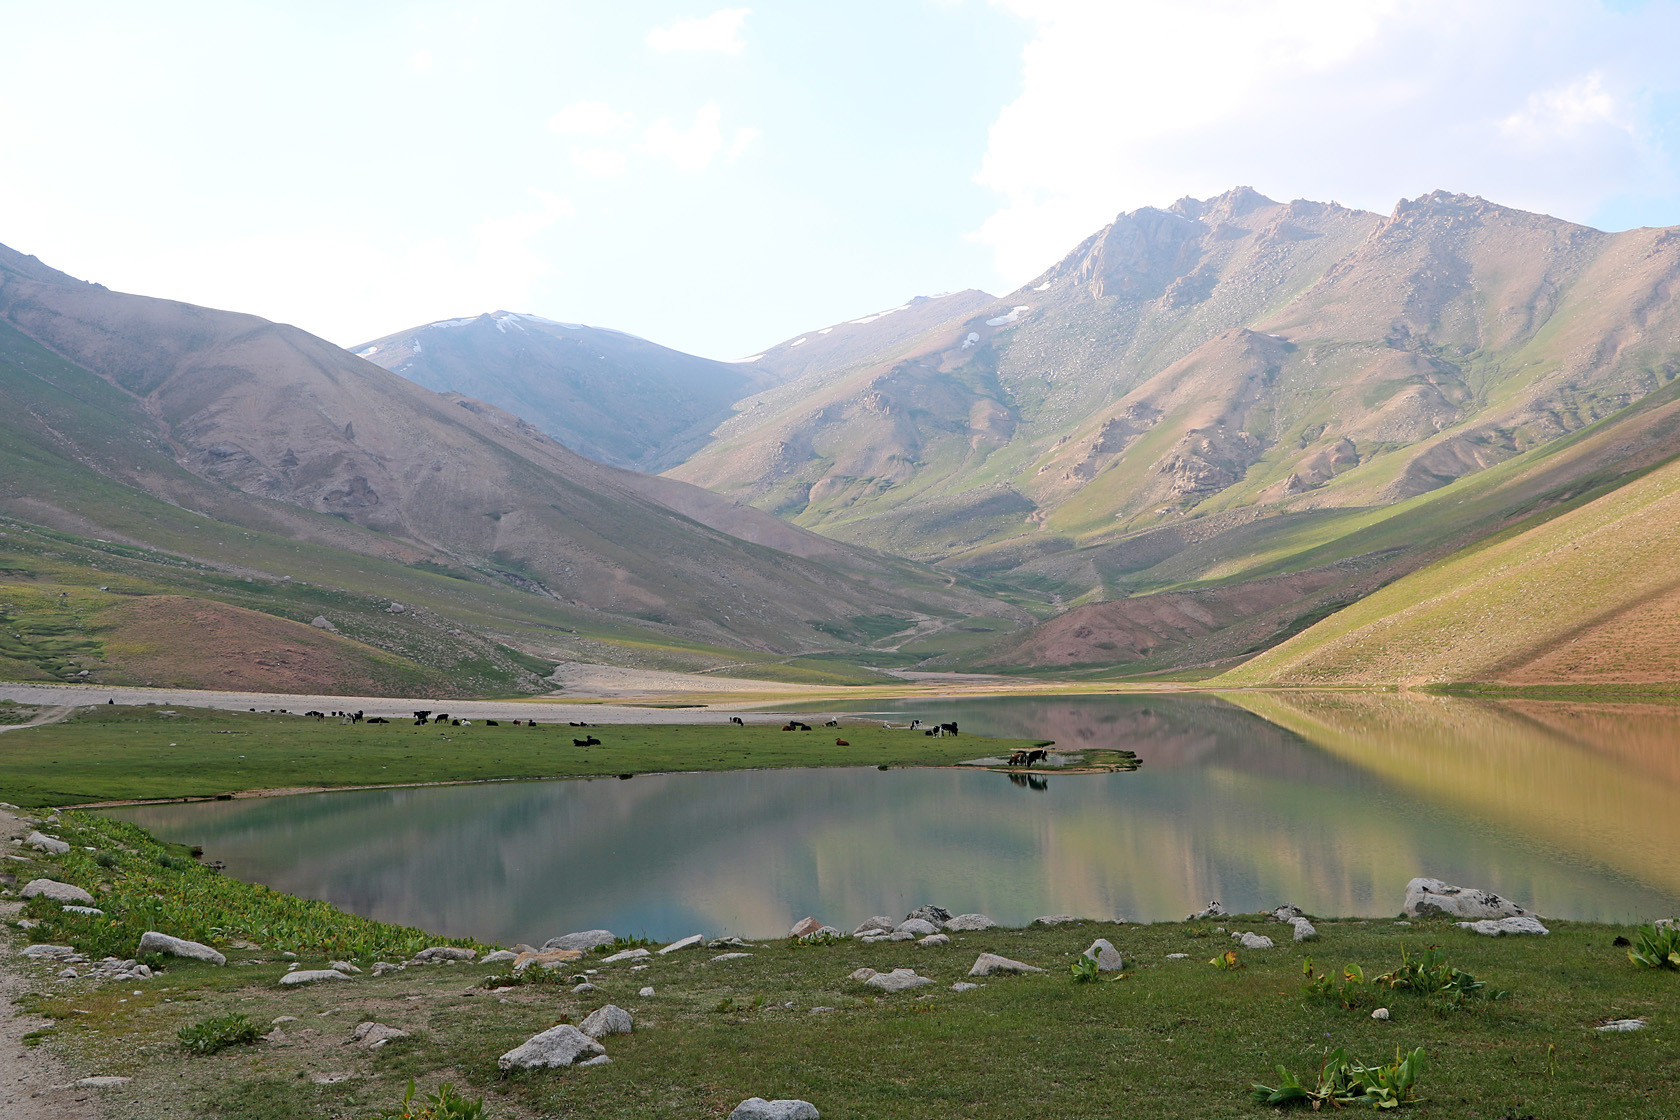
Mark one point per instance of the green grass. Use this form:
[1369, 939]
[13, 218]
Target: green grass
[123, 753]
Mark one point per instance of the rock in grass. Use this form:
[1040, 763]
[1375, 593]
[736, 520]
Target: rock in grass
[859, 974]
[603, 1021]
[155, 942]
[500, 956]
[898, 980]
[345, 967]
[988, 964]
[646, 993]
[584, 988]
[310, 976]
[445, 953]
[1055, 919]
[1427, 898]
[1288, 912]
[916, 927]
[1505, 927]
[685, 943]
[1252, 941]
[1621, 1025]
[880, 923]
[375, 1035]
[933, 940]
[597, 1060]
[804, 926]
[962, 986]
[583, 940]
[1107, 956]
[1214, 910]
[730, 957]
[969, 923]
[90, 911]
[45, 843]
[548, 958]
[48, 952]
[936, 915]
[58, 892]
[757, 1108]
[626, 955]
[554, 1048]
[1304, 930]
[102, 1082]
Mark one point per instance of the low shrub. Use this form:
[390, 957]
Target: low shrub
[1656, 946]
[1343, 1081]
[211, 1035]
[445, 1104]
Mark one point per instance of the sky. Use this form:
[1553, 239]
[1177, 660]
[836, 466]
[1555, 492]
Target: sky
[718, 179]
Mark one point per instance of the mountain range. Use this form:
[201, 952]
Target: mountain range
[1201, 435]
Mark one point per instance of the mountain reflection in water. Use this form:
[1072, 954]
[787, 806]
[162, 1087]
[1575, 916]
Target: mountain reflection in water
[1330, 801]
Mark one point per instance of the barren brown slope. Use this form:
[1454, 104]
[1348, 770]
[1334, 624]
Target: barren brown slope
[271, 412]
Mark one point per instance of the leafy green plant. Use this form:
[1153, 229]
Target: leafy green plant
[1226, 961]
[1343, 1081]
[445, 1104]
[1656, 946]
[211, 1035]
[1084, 969]
[1429, 974]
[619, 944]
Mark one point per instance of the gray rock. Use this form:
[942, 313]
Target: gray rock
[310, 976]
[988, 964]
[500, 956]
[685, 943]
[1214, 910]
[1107, 956]
[597, 1060]
[48, 952]
[584, 988]
[380, 968]
[58, 892]
[1505, 927]
[626, 955]
[47, 843]
[603, 1021]
[320, 621]
[646, 993]
[969, 923]
[584, 939]
[1304, 930]
[1288, 912]
[1055, 919]
[916, 927]
[1252, 940]
[69, 974]
[933, 941]
[1430, 897]
[155, 942]
[880, 923]
[731, 957]
[728, 943]
[862, 974]
[102, 1082]
[804, 926]
[963, 986]
[1621, 1025]
[374, 1035]
[445, 953]
[896, 935]
[936, 915]
[828, 931]
[898, 980]
[345, 967]
[1380, 1014]
[90, 911]
[757, 1108]
[554, 1048]
[1178, 956]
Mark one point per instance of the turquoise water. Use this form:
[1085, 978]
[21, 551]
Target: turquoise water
[1332, 804]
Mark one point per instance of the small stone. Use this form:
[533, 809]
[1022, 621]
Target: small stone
[597, 1060]
[445, 953]
[916, 927]
[685, 943]
[90, 911]
[1380, 1014]
[988, 964]
[933, 941]
[1178, 956]
[603, 1021]
[1506, 927]
[757, 1108]
[862, 974]
[968, 923]
[1214, 910]
[880, 923]
[804, 926]
[58, 892]
[935, 915]
[345, 967]
[102, 1082]
[45, 843]
[646, 993]
[154, 942]
[320, 622]
[377, 1034]
[728, 943]
[1304, 930]
[68, 974]
[898, 980]
[548, 958]
[1621, 1025]
[1252, 941]
[1107, 956]
[583, 940]
[310, 976]
[1055, 919]
[278, 1019]
[731, 957]
[500, 956]
[963, 986]
[626, 955]
[554, 1048]
[584, 988]
[48, 952]
[1288, 912]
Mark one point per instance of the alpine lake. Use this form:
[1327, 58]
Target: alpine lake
[1330, 801]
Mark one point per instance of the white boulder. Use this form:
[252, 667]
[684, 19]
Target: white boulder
[969, 923]
[916, 927]
[45, 843]
[310, 976]
[1252, 941]
[603, 1021]
[155, 942]
[685, 943]
[1106, 955]
[757, 1108]
[898, 980]
[554, 1048]
[987, 964]
[1505, 927]
[880, 923]
[584, 939]
[1427, 898]
[58, 892]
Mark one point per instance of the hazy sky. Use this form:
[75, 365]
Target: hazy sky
[719, 179]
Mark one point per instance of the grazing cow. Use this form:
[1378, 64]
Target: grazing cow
[787, 727]
[592, 742]
[463, 723]
[516, 723]
[1037, 754]
[443, 718]
[841, 743]
[930, 731]
[491, 723]
[737, 721]
[832, 723]
[580, 742]
[914, 724]
[1016, 758]
[530, 723]
[948, 728]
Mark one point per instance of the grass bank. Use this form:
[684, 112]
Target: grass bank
[1171, 1037]
[121, 753]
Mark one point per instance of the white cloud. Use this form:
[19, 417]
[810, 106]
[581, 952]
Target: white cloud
[1132, 104]
[587, 118]
[601, 162]
[420, 60]
[720, 31]
[690, 150]
[743, 140]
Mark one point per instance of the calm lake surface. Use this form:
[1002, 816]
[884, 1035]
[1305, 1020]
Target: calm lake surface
[1330, 801]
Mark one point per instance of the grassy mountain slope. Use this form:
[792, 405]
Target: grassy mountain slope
[609, 396]
[243, 444]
